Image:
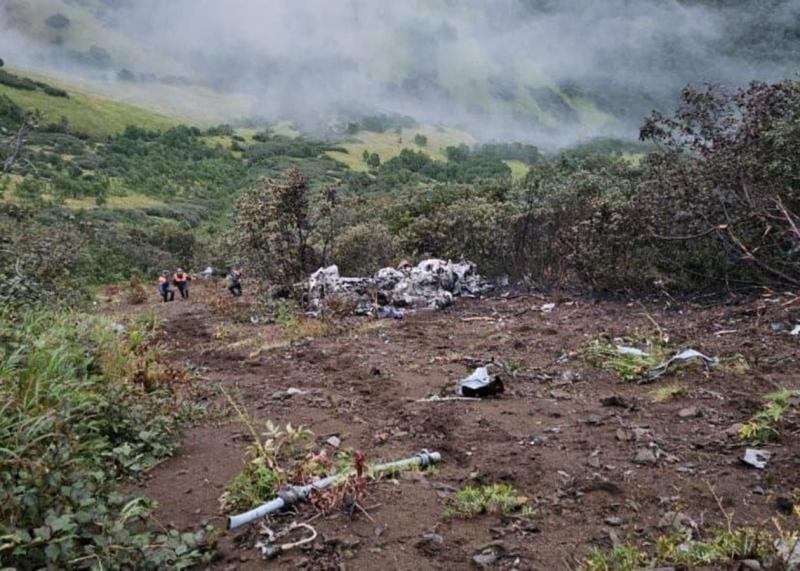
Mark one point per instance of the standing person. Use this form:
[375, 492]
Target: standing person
[235, 278]
[167, 294]
[181, 281]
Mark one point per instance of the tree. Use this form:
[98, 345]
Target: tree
[420, 140]
[273, 228]
[374, 160]
[57, 21]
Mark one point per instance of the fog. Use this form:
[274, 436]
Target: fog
[548, 71]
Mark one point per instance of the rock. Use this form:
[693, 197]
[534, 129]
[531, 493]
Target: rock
[790, 553]
[567, 378]
[594, 461]
[733, 430]
[430, 544]
[485, 559]
[594, 419]
[334, 441]
[645, 456]
[291, 391]
[560, 395]
[613, 520]
[677, 521]
[689, 412]
[614, 400]
[752, 564]
[622, 435]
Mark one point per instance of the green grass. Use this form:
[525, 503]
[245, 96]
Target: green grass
[518, 169]
[720, 548]
[389, 144]
[127, 202]
[668, 392]
[89, 114]
[606, 355]
[621, 558]
[493, 499]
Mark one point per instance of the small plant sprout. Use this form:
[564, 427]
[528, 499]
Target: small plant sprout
[763, 425]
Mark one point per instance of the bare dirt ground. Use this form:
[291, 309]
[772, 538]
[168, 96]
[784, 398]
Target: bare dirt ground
[557, 435]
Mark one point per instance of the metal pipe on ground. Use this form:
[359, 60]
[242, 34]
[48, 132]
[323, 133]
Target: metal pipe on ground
[294, 494]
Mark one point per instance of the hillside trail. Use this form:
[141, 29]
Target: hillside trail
[568, 436]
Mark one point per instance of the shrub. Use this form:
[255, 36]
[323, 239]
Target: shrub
[364, 248]
[722, 201]
[74, 419]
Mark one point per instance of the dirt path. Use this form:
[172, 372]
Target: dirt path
[556, 435]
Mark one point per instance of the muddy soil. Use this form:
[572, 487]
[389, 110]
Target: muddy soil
[565, 434]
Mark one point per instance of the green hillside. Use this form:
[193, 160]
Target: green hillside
[86, 113]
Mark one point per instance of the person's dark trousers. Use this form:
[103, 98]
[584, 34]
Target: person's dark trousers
[235, 289]
[184, 289]
[167, 294]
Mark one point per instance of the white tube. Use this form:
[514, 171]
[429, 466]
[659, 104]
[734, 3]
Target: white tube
[273, 506]
[294, 494]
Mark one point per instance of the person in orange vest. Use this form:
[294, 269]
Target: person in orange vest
[181, 281]
[235, 286]
[167, 294]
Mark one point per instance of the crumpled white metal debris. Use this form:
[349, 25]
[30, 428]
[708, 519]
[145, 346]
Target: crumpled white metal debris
[685, 355]
[432, 284]
[756, 458]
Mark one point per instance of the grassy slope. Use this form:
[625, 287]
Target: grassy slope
[518, 169]
[87, 113]
[389, 144]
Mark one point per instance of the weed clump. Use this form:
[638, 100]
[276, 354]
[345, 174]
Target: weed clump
[492, 499]
[272, 458]
[623, 356]
[763, 425]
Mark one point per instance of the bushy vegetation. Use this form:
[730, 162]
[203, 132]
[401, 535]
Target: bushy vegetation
[85, 402]
[710, 202]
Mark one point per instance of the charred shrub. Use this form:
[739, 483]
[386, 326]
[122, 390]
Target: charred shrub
[722, 200]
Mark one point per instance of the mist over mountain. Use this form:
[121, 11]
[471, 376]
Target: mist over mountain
[546, 71]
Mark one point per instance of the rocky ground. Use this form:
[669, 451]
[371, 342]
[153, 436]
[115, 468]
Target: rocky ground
[601, 461]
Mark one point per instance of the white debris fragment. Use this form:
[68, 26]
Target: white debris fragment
[795, 331]
[622, 350]
[547, 307]
[756, 458]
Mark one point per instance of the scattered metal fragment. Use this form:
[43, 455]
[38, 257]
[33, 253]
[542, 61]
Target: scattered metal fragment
[756, 458]
[685, 355]
[480, 384]
[272, 551]
[547, 307]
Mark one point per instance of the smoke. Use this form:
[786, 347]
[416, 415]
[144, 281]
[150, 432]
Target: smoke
[549, 71]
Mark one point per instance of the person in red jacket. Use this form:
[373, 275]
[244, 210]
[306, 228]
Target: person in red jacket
[181, 281]
[167, 294]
